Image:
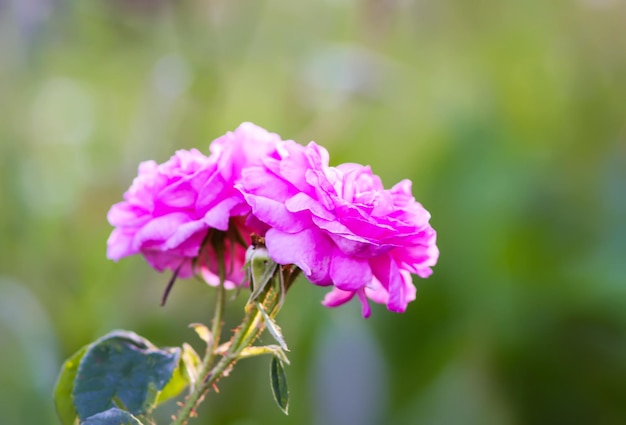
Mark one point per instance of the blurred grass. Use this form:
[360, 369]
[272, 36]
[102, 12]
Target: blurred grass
[509, 117]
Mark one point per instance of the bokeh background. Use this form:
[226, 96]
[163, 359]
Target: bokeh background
[509, 117]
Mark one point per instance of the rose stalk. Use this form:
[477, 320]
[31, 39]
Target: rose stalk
[270, 282]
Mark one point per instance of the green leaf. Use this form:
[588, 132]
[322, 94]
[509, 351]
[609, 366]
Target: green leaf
[278, 380]
[122, 369]
[273, 328]
[113, 416]
[64, 386]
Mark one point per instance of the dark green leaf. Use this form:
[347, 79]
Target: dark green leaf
[124, 370]
[279, 384]
[64, 386]
[113, 416]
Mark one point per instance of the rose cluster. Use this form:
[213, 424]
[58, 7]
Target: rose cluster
[339, 225]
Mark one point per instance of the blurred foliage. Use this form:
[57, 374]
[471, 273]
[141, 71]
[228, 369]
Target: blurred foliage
[508, 116]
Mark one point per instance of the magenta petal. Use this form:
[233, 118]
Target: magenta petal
[211, 192]
[365, 305]
[120, 245]
[183, 233]
[337, 297]
[261, 182]
[190, 247]
[410, 291]
[274, 214]
[159, 229]
[178, 196]
[376, 292]
[164, 260]
[219, 215]
[247, 146]
[295, 161]
[309, 249]
[303, 202]
[318, 155]
[349, 273]
[125, 214]
[387, 272]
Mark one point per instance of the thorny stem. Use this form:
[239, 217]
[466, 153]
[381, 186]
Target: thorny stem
[216, 329]
[250, 328]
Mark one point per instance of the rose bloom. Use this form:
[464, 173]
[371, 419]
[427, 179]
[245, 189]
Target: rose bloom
[169, 210]
[341, 227]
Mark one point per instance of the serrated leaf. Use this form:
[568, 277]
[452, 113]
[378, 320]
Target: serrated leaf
[113, 416]
[64, 386]
[273, 328]
[122, 369]
[278, 380]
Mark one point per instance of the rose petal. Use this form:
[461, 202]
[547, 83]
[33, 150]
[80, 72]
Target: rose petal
[337, 297]
[120, 245]
[387, 272]
[349, 273]
[306, 249]
[365, 305]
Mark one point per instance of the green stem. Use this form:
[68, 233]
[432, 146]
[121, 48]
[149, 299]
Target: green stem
[216, 333]
[250, 328]
[246, 334]
[216, 329]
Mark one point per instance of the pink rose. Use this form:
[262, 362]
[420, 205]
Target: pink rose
[341, 227]
[169, 209]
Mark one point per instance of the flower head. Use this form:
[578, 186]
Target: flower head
[341, 227]
[170, 208]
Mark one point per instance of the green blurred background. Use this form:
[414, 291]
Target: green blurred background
[509, 117]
